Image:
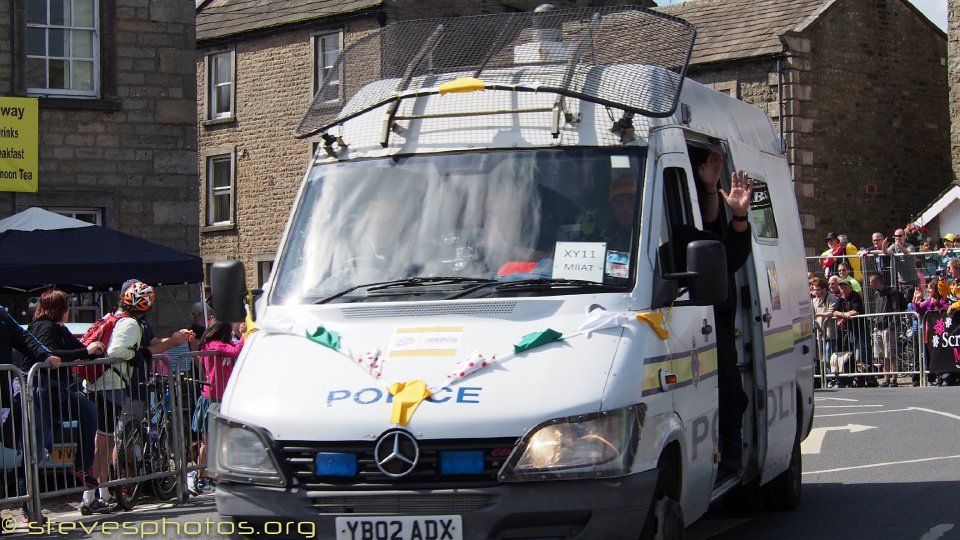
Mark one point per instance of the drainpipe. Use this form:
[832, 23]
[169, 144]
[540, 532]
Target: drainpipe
[783, 140]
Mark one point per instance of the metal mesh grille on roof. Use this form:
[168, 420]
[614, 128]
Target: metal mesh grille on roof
[642, 52]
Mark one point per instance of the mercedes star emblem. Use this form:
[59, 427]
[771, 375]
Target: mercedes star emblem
[396, 453]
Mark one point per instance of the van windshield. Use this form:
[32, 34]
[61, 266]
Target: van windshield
[468, 224]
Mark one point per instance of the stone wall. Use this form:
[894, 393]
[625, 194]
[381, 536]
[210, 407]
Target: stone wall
[880, 147]
[953, 70]
[864, 115]
[274, 86]
[132, 153]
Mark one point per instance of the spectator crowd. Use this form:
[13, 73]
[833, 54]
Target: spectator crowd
[102, 399]
[869, 304]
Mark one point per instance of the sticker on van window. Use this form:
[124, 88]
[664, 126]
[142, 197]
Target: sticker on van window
[425, 341]
[773, 284]
[580, 260]
[618, 264]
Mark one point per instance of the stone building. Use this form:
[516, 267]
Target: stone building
[856, 88]
[258, 68]
[953, 53]
[115, 83]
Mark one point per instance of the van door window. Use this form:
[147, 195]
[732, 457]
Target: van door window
[761, 209]
[677, 210]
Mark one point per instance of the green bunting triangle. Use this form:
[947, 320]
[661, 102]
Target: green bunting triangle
[537, 339]
[325, 337]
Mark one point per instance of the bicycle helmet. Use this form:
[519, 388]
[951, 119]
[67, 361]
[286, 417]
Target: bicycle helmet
[139, 296]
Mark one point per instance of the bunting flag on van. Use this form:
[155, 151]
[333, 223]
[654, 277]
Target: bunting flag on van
[407, 396]
[655, 320]
[537, 339]
[325, 337]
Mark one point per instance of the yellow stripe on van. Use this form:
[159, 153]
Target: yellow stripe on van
[778, 341]
[802, 328]
[682, 367]
[651, 375]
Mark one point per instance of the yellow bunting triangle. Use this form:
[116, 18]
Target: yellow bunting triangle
[655, 320]
[406, 398]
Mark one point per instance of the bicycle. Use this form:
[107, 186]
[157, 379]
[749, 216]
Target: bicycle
[147, 449]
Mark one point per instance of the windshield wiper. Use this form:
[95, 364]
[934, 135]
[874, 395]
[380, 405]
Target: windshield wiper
[540, 284]
[408, 283]
[418, 281]
[551, 283]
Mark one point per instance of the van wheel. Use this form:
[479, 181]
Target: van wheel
[666, 521]
[783, 492]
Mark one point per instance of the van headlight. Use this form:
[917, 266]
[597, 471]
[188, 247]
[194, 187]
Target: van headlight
[241, 453]
[596, 445]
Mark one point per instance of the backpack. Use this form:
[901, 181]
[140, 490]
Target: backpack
[100, 331]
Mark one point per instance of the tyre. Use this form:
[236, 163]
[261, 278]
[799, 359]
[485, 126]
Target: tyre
[783, 492]
[129, 464]
[162, 460]
[665, 519]
[125, 495]
[666, 522]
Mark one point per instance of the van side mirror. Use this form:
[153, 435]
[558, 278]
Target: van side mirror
[706, 275]
[228, 286]
[707, 260]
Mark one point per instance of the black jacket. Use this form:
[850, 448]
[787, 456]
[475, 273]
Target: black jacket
[14, 337]
[58, 339]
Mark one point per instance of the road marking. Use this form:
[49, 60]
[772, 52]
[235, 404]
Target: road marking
[814, 441]
[921, 460]
[846, 406]
[864, 412]
[818, 398]
[937, 531]
[941, 413]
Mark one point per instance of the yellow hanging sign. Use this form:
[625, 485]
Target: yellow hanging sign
[19, 155]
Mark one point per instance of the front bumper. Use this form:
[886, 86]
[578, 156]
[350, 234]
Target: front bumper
[576, 509]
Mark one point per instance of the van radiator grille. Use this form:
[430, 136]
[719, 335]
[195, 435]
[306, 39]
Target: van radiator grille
[401, 504]
[429, 310]
[298, 459]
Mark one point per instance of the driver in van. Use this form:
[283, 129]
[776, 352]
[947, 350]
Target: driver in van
[621, 197]
[736, 239]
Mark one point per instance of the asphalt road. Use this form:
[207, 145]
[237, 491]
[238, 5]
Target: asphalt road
[880, 463]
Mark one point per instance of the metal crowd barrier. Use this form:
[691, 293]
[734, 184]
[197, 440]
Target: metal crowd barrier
[43, 430]
[188, 397]
[869, 346]
[13, 434]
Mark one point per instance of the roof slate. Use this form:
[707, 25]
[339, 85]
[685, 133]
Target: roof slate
[734, 29]
[221, 18]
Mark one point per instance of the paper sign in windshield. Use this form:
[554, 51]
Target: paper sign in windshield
[426, 341]
[580, 260]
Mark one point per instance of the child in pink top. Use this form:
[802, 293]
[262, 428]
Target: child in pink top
[217, 368]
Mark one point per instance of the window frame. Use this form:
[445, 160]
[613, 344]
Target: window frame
[210, 157]
[71, 212]
[100, 54]
[763, 219]
[316, 41]
[261, 277]
[210, 115]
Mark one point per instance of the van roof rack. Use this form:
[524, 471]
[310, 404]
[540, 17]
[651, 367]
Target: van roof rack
[649, 52]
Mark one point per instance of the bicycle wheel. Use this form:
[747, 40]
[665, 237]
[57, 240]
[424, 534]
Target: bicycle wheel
[129, 464]
[162, 459]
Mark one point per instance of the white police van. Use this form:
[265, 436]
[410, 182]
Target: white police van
[475, 327]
